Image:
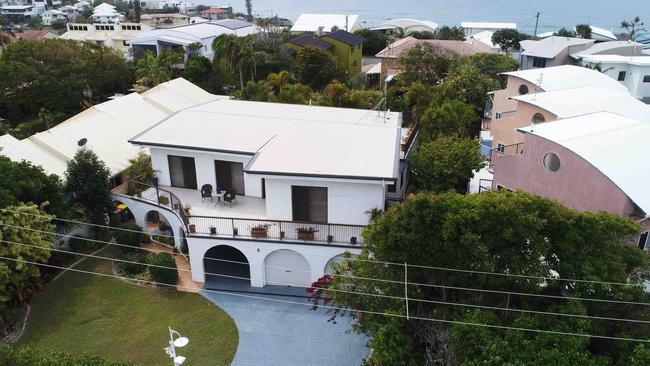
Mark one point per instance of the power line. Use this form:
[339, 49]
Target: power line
[343, 291]
[338, 308]
[395, 263]
[446, 287]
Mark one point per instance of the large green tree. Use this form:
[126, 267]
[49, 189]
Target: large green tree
[450, 117]
[316, 67]
[373, 41]
[444, 163]
[87, 178]
[633, 27]
[450, 33]
[25, 183]
[584, 31]
[54, 74]
[17, 279]
[507, 39]
[501, 232]
[493, 64]
[424, 63]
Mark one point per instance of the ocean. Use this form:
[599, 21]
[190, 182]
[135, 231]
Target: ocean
[555, 14]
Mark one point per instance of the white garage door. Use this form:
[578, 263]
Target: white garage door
[287, 268]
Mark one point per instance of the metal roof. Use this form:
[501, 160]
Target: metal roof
[311, 40]
[551, 46]
[345, 37]
[567, 77]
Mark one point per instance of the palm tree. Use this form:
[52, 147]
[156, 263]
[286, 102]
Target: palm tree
[279, 80]
[633, 27]
[233, 50]
[150, 72]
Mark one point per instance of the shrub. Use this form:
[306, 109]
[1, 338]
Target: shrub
[27, 356]
[163, 275]
[81, 244]
[132, 270]
[131, 235]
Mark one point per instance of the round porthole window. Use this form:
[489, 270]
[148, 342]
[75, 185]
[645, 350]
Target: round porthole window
[552, 162]
[523, 89]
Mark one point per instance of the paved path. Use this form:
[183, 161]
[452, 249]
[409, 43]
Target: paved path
[276, 333]
[185, 282]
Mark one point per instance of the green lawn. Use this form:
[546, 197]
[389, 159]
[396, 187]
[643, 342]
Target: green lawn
[104, 316]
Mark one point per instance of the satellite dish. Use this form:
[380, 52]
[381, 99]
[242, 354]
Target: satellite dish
[82, 142]
[181, 342]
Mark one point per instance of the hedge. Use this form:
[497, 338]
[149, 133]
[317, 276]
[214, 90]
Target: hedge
[27, 356]
[163, 275]
[130, 234]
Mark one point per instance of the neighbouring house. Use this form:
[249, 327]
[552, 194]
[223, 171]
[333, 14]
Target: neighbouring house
[71, 12]
[216, 13]
[53, 15]
[106, 13]
[324, 23]
[82, 5]
[633, 72]
[594, 162]
[164, 20]
[620, 48]
[107, 127]
[346, 48]
[282, 189]
[17, 13]
[551, 51]
[502, 116]
[117, 36]
[32, 34]
[472, 28]
[183, 37]
[407, 25]
[390, 55]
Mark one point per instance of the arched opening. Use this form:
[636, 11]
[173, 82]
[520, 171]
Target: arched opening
[121, 214]
[335, 260]
[285, 267]
[225, 265]
[538, 118]
[159, 228]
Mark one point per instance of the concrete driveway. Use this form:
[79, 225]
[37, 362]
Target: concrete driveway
[276, 333]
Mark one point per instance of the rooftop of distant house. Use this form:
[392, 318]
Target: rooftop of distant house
[214, 10]
[164, 15]
[348, 38]
[462, 48]
[551, 46]
[567, 77]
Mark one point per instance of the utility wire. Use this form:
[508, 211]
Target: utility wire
[446, 287]
[342, 291]
[339, 308]
[402, 264]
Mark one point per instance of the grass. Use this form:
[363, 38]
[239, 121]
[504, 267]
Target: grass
[83, 313]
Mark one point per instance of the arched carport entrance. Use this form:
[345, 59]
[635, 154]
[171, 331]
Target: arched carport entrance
[159, 228]
[335, 260]
[285, 267]
[224, 265]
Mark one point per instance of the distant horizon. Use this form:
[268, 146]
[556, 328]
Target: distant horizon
[555, 14]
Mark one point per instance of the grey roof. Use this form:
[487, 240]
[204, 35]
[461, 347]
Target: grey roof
[551, 46]
[345, 37]
[311, 40]
[232, 23]
[621, 48]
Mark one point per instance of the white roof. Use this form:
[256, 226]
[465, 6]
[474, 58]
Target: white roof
[106, 126]
[488, 25]
[624, 48]
[616, 59]
[551, 46]
[602, 34]
[103, 6]
[567, 77]
[615, 145]
[485, 37]
[191, 33]
[287, 139]
[574, 102]
[311, 22]
[409, 25]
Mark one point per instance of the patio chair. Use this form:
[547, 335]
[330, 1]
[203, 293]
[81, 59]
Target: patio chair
[230, 198]
[206, 192]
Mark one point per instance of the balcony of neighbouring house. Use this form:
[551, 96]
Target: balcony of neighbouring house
[243, 218]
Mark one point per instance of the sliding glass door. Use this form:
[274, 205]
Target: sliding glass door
[230, 176]
[309, 203]
[182, 171]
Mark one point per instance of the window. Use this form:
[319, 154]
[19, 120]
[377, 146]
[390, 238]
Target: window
[354, 63]
[646, 78]
[552, 162]
[501, 148]
[309, 204]
[539, 62]
[182, 171]
[643, 241]
[523, 89]
[497, 115]
[538, 118]
[621, 75]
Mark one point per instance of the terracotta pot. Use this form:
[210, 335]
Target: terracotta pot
[305, 235]
[259, 232]
[192, 228]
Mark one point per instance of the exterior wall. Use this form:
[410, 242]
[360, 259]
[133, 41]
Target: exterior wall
[347, 201]
[577, 184]
[502, 104]
[349, 57]
[504, 130]
[633, 76]
[388, 64]
[316, 255]
[164, 22]
[526, 62]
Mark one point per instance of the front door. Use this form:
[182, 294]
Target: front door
[309, 203]
[230, 176]
[182, 171]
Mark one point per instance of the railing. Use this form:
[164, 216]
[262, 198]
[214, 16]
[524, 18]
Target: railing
[157, 195]
[505, 150]
[276, 229]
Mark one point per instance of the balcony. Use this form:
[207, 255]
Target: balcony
[245, 219]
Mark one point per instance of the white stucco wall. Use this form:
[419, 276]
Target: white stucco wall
[256, 252]
[633, 77]
[347, 201]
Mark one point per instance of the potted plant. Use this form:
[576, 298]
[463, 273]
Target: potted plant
[186, 210]
[162, 226]
[192, 228]
[163, 200]
[260, 231]
[306, 232]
